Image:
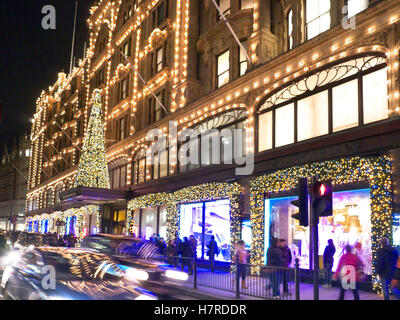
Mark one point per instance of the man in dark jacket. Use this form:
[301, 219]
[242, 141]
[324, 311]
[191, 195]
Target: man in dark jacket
[329, 252]
[187, 254]
[287, 260]
[386, 265]
[275, 261]
[212, 251]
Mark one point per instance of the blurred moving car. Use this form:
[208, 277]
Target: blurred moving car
[48, 273]
[135, 253]
[26, 239]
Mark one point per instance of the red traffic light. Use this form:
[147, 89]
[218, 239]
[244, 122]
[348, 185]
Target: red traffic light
[321, 189]
[322, 198]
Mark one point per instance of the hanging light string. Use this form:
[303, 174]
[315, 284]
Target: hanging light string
[68, 136]
[59, 153]
[144, 82]
[19, 171]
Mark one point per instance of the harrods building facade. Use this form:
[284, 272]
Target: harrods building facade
[320, 98]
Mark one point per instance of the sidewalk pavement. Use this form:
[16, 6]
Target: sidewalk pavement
[306, 293]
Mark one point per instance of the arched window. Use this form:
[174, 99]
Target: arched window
[215, 141]
[343, 96]
[139, 167]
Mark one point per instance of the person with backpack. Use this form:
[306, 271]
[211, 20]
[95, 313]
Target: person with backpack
[329, 253]
[212, 251]
[386, 265]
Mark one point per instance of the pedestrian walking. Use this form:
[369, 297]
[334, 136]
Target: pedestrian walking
[275, 261]
[396, 280]
[348, 262]
[329, 253]
[287, 260]
[162, 246]
[386, 265]
[193, 241]
[241, 258]
[171, 254]
[212, 251]
[187, 254]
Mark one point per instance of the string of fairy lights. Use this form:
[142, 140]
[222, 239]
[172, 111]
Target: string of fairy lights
[92, 172]
[374, 170]
[108, 13]
[172, 201]
[258, 84]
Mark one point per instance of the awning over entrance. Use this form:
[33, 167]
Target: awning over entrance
[89, 196]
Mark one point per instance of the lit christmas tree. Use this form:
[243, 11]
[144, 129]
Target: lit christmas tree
[92, 168]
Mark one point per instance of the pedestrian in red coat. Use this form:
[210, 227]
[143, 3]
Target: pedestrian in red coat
[347, 263]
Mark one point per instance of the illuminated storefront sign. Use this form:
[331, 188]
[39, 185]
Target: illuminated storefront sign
[204, 219]
[350, 224]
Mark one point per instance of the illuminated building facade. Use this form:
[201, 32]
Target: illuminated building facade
[319, 98]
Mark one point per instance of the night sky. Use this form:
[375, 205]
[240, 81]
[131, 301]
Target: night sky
[31, 57]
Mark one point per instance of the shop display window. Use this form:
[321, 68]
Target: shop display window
[70, 226]
[216, 222]
[191, 223]
[149, 222]
[396, 230]
[163, 223]
[350, 224]
[246, 233]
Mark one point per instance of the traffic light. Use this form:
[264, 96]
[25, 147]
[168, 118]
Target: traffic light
[301, 202]
[322, 199]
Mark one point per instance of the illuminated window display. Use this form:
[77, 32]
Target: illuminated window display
[205, 219]
[70, 226]
[44, 224]
[246, 233]
[396, 230]
[149, 222]
[163, 222]
[350, 224]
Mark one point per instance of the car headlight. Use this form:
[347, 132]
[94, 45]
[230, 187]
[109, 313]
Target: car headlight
[177, 275]
[136, 274]
[12, 258]
[146, 297]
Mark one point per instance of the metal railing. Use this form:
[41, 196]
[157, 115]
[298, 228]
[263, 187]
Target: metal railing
[259, 281]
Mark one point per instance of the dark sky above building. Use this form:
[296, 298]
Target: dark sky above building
[31, 57]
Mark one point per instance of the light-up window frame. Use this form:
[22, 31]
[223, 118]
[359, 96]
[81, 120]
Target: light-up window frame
[342, 79]
[318, 19]
[222, 73]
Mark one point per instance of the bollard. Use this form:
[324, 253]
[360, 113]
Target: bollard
[297, 278]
